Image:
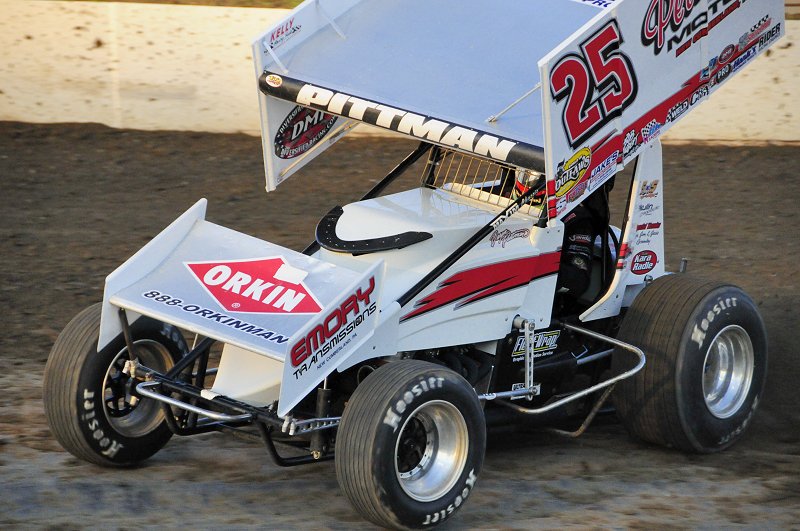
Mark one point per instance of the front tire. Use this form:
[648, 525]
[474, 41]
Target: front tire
[410, 445]
[86, 401]
[706, 349]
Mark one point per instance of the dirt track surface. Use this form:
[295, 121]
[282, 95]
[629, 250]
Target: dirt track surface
[80, 199]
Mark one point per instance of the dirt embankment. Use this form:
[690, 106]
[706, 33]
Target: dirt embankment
[80, 199]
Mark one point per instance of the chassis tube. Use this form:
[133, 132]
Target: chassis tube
[611, 381]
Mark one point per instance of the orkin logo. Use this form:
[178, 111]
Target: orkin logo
[259, 285]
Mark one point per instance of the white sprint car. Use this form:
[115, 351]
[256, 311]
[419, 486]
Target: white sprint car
[494, 291]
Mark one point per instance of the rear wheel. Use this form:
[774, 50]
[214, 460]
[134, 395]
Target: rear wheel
[410, 445]
[87, 397]
[706, 351]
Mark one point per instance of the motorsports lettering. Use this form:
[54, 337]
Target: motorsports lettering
[265, 285]
[598, 84]
[337, 329]
[417, 125]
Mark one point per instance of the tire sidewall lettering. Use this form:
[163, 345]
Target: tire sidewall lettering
[94, 424]
[438, 516]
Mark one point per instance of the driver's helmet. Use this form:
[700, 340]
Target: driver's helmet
[523, 182]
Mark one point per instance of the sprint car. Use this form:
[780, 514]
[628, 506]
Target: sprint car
[416, 319]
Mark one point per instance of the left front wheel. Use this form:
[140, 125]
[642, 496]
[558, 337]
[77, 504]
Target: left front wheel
[87, 397]
[410, 445]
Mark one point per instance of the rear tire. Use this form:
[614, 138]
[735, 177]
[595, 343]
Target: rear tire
[85, 395]
[410, 445]
[706, 349]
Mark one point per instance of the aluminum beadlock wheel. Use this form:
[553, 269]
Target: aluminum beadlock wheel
[728, 371]
[142, 417]
[431, 451]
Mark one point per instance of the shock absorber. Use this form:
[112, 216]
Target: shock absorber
[320, 439]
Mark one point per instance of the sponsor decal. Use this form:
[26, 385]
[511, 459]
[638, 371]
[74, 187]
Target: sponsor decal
[699, 95]
[584, 239]
[217, 317]
[576, 192]
[727, 54]
[544, 344]
[285, 31]
[649, 189]
[260, 285]
[335, 331]
[603, 170]
[569, 172]
[643, 262]
[676, 25]
[721, 75]
[645, 232]
[706, 72]
[502, 237]
[648, 226]
[755, 31]
[301, 130]
[701, 326]
[274, 80]
[651, 131]
[536, 390]
[648, 210]
[765, 40]
[677, 110]
[630, 144]
[476, 284]
[743, 59]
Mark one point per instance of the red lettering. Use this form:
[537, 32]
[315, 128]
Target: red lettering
[350, 306]
[325, 331]
[663, 14]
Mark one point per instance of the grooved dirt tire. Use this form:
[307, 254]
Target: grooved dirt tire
[706, 350]
[410, 445]
[84, 390]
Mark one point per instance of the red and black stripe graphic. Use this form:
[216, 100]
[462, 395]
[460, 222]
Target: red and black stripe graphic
[472, 285]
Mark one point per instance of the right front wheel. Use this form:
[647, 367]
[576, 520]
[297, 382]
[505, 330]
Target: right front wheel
[410, 444]
[706, 349]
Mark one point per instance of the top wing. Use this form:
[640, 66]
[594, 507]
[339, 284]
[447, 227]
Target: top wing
[572, 88]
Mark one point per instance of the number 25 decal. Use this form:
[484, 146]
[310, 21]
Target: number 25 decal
[598, 84]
